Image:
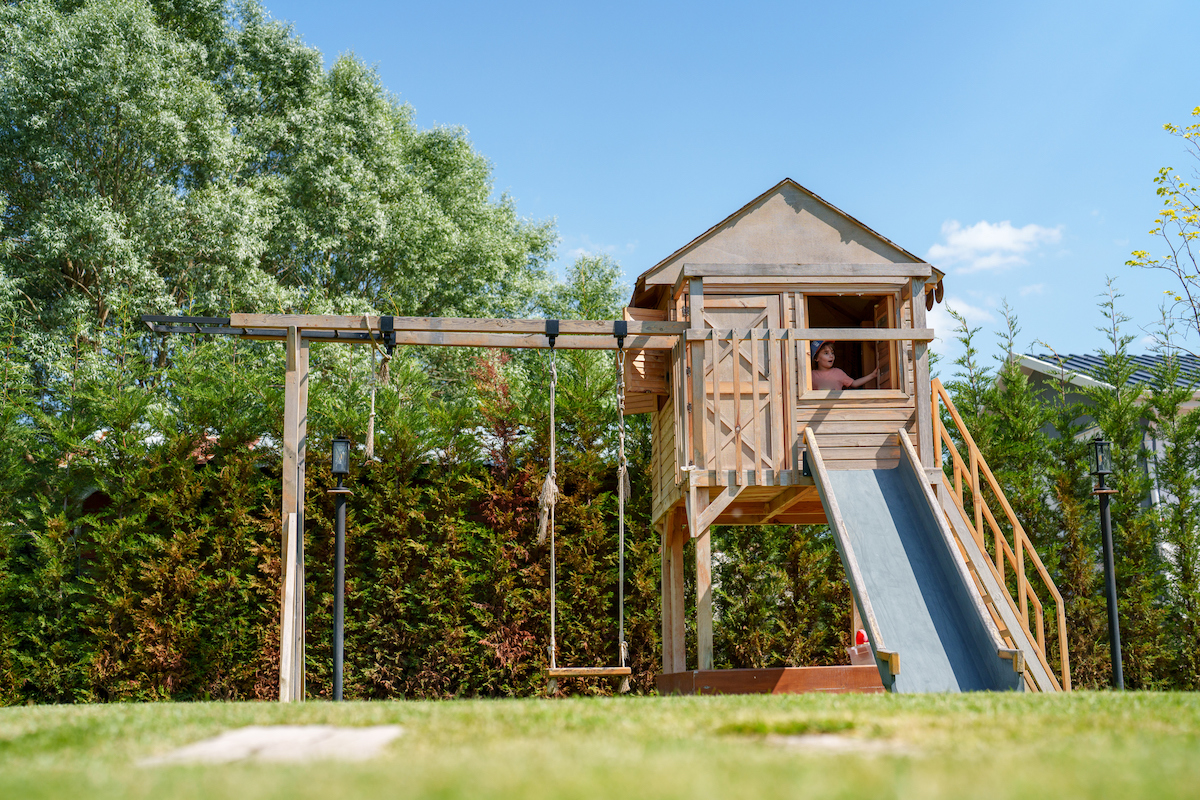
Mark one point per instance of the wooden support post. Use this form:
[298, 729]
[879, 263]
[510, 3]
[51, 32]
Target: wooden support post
[704, 615]
[288, 690]
[923, 392]
[664, 537]
[295, 424]
[302, 352]
[678, 642]
[287, 620]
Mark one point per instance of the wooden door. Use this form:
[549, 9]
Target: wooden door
[743, 385]
[885, 352]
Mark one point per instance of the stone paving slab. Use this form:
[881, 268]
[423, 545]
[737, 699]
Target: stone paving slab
[283, 743]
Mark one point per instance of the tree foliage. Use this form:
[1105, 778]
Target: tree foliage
[1177, 228]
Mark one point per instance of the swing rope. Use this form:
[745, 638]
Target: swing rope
[622, 493]
[546, 505]
[549, 495]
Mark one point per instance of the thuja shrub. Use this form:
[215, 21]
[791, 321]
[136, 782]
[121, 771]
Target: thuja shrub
[780, 597]
[161, 593]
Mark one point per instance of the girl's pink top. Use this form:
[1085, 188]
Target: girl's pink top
[832, 378]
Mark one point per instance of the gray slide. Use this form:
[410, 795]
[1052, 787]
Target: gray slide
[927, 625]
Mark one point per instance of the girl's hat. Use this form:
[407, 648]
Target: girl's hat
[816, 346]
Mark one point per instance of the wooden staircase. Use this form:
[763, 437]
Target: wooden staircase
[998, 553]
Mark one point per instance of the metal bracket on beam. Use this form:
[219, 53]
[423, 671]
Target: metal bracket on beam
[620, 330]
[387, 326]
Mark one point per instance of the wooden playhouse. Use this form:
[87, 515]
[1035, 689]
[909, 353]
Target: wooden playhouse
[740, 437]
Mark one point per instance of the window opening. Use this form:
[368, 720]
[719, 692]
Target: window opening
[856, 358]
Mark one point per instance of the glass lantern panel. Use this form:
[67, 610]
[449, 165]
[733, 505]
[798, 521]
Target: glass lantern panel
[341, 456]
[1101, 457]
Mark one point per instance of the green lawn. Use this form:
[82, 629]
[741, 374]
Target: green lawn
[1018, 746]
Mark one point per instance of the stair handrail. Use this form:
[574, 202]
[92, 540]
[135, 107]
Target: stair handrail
[972, 469]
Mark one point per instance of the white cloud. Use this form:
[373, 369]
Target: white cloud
[1033, 288]
[975, 315]
[989, 245]
[589, 248]
[943, 324]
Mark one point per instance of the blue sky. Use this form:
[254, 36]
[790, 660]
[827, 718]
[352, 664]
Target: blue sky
[1012, 144]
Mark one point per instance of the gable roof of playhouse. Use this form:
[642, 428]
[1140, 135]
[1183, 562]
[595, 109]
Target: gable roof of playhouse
[787, 224]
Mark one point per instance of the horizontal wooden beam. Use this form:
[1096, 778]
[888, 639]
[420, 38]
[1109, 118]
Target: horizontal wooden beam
[536, 341]
[312, 322]
[786, 500]
[791, 518]
[784, 477]
[817, 284]
[315, 322]
[750, 271]
[814, 334]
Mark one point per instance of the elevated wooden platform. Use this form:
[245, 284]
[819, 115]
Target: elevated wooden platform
[780, 680]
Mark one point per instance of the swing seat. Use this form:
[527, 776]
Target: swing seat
[588, 672]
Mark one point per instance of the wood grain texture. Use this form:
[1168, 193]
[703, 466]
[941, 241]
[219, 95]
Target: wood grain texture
[587, 672]
[678, 641]
[302, 359]
[704, 599]
[779, 680]
[922, 384]
[697, 414]
[288, 656]
[287, 622]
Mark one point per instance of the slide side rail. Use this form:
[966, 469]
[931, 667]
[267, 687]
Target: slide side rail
[972, 482]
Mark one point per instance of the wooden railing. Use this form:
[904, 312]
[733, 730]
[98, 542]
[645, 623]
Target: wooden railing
[751, 412]
[746, 401]
[971, 477]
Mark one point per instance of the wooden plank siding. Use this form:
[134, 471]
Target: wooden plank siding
[663, 473]
[858, 436]
[647, 372]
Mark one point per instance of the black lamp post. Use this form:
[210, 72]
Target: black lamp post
[1101, 466]
[341, 468]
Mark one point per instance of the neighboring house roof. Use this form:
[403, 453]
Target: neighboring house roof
[785, 224]
[1083, 369]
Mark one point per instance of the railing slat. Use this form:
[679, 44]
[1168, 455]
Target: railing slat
[681, 421]
[774, 356]
[1019, 537]
[714, 346]
[758, 448]
[936, 420]
[736, 347]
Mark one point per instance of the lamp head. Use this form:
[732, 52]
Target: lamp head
[341, 456]
[1101, 456]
